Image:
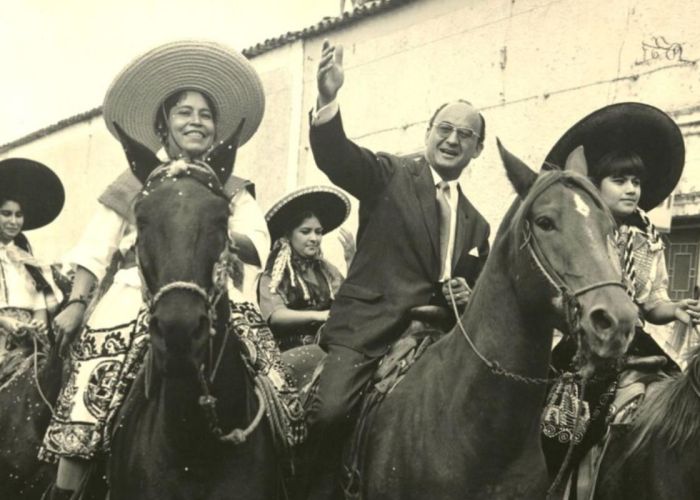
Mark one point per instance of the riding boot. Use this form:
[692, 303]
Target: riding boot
[56, 493]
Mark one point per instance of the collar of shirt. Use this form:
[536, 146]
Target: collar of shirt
[12, 253]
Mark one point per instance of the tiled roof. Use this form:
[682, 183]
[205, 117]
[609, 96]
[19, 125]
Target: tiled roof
[326, 25]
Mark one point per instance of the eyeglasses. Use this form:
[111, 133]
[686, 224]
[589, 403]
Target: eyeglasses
[444, 130]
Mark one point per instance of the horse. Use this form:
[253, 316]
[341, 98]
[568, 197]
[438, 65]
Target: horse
[465, 420]
[24, 416]
[171, 439]
[656, 457]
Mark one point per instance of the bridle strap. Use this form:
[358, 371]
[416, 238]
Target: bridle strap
[569, 299]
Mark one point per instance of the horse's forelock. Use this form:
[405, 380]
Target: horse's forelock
[671, 412]
[545, 181]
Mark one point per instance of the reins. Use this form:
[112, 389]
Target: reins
[572, 308]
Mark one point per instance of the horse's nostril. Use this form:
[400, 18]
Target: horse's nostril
[602, 320]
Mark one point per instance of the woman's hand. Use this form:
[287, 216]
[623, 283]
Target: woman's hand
[321, 316]
[12, 325]
[67, 324]
[347, 240]
[688, 311]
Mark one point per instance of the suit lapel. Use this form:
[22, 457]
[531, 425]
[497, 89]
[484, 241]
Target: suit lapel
[425, 190]
[460, 231]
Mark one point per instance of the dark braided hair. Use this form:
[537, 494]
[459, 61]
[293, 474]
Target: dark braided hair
[40, 282]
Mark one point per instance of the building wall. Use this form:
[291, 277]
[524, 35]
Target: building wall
[533, 66]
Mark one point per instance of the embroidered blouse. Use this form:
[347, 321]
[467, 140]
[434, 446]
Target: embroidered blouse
[651, 275]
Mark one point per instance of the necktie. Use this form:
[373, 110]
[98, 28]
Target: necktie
[444, 214]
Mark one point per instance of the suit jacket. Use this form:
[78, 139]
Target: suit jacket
[397, 264]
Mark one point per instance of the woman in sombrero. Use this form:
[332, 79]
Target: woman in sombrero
[31, 196]
[178, 99]
[635, 155]
[298, 285]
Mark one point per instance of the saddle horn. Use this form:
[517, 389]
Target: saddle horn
[141, 160]
[222, 158]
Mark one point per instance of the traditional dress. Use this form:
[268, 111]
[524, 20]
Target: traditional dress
[308, 285]
[106, 356]
[19, 299]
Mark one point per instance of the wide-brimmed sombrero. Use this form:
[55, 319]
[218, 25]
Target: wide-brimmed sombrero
[329, 204]
[633, 126]
[224, 75]
[35, 187]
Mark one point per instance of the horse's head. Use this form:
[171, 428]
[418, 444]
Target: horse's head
[182, 248]
[561, 240]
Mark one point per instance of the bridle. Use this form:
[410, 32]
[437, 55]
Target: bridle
[202, 173]
[569, 297]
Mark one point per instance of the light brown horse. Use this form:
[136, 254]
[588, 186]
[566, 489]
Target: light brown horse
[464, 422]
[168, 443]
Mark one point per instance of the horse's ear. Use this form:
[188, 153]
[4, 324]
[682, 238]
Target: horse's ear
[520, 175]
[576, 162]
[223, 156]
[141, 160]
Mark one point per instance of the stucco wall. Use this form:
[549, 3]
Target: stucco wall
[534, 67]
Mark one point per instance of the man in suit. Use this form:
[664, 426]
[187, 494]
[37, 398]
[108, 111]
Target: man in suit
[417, 233]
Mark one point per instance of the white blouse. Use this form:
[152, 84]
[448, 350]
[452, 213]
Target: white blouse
[17, 288]
[108, 232]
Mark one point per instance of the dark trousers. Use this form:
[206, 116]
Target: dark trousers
[331, 416]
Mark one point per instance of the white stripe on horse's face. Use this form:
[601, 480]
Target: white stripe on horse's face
[581, 206]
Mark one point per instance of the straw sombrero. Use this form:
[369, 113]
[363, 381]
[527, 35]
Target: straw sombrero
[134, 97]
[633, 126]
[330, 205]
[35, 187]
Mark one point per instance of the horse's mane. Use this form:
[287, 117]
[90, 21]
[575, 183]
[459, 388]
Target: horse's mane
[671, 411]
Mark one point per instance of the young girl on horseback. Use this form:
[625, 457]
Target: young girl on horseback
[201, 94]
[298, 285]
[27, 290]
[636, 157]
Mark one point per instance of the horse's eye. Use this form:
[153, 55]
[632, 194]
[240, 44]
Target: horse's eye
[545, 223]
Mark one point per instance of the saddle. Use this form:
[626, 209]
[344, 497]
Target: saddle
[639, 374]
[428, 324]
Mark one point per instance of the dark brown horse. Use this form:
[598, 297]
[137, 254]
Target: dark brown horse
[464, 422]
[24, 417]
[167, 444]
[657, 457]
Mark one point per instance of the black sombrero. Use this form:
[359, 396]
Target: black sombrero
[330, 205]
[35, 187]
[634, 126]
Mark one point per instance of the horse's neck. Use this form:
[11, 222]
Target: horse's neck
[184, 417]
[517, 339]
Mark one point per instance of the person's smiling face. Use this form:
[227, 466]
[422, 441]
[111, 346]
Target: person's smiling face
[453, 139]
[191, 127]
[11, 221]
